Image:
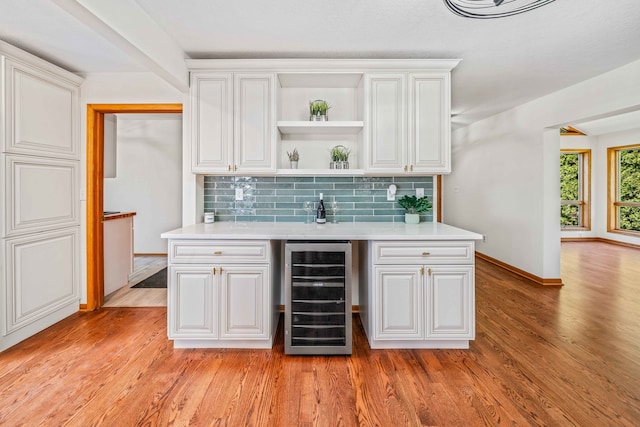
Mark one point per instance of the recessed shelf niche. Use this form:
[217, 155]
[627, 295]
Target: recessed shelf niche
[314, 140]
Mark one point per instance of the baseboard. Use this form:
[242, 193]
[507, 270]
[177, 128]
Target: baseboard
[599, 239]
[537, 280]
[164, 255]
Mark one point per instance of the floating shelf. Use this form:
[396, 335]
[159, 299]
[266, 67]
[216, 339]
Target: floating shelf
[321, 172]
[320, 128]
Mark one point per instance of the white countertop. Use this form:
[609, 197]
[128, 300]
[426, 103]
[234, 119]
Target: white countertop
[329, 231]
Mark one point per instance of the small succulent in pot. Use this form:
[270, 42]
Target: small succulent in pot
[339, 153]
[319, 107]
[414, 205]
[294, 156]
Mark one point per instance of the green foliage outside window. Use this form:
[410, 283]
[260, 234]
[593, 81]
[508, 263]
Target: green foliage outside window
[629, 189]
[569, 188]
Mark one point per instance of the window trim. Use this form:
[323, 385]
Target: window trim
[612, 190]
[585, 189]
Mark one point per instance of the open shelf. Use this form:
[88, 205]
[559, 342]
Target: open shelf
[320, 128]
[320, 172]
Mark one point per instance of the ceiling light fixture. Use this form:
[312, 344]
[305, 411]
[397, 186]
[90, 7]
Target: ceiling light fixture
[487, 9]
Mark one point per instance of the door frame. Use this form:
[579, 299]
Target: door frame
[95, 190]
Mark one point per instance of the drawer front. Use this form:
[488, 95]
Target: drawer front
[422, 252]
[218, 251]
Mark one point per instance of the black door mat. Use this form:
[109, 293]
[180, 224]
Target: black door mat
[158, 280]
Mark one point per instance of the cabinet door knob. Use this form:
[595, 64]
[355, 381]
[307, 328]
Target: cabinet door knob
[235, 168]
[214, 271]
[229, 168]
[411, 168]
[405, 168]
[217, 253]
[426, 253]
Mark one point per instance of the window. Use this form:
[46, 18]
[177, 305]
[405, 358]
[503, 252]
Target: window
[624, 189]
[575, 177]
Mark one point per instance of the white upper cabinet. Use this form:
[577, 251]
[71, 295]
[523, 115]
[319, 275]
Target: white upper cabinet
[212, 121]
[429, 123]
[254, 125]
[233, 124]
[408, 123]
[391, 116]
[386, 123]
[41, 112]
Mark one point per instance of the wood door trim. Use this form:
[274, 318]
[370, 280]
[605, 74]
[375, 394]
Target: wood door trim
[95, 189]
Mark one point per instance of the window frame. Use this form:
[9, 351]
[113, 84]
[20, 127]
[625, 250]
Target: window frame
[613, 181]
[584, 179]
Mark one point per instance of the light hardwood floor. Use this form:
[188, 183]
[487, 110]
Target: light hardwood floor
[143, 267]
[554, 356]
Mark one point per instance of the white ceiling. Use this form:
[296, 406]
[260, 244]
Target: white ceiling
[506, 61]
[617, 123]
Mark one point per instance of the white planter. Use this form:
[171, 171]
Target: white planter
[410, 218]
[294, 164]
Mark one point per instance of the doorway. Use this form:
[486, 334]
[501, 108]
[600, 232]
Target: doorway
[95, 190]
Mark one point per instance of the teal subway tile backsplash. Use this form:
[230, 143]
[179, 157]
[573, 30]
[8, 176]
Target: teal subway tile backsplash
[280, 199]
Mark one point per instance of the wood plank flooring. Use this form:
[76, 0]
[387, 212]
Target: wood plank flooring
[143, 266]
[556, 356]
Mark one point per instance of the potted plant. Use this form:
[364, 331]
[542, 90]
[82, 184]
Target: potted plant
[414, 206]
[318, 110]
[294, 156]
[339, 157]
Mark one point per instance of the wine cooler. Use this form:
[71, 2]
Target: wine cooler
[318, 297]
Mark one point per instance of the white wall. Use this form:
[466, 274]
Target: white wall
[505, 175]
[120, 88]
[148, 177]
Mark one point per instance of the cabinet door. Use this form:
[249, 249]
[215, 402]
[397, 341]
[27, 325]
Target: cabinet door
[42, 278]
[41, 194]
[386, 144]
[397, 303]
[245, 307]
[254, 134]
[429, 124]
[193, 300]
[41, 112]
[212, 122]
[450, 302]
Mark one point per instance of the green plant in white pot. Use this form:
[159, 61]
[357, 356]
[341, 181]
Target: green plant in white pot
[318, 110]
[414, 206]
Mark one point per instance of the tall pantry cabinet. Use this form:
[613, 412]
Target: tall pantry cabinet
[40, 192]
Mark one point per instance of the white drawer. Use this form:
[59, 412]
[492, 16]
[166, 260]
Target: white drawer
[218, 251]
[422, 252]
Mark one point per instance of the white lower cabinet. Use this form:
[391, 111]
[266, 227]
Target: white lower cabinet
[245, 301]
[39, 287]
[193, 298]
[397, 303]
[429, 305]
[450, 302]
[230, 304]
